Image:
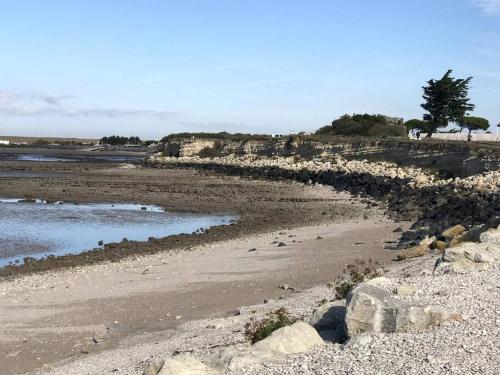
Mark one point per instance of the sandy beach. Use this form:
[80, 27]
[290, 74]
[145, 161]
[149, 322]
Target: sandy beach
[68, 314]
[289, 234]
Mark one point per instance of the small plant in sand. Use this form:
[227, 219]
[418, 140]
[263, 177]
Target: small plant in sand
[257, 330]
[353, 275]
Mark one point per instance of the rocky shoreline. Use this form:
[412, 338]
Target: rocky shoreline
[418, 315]
[437, 313]
[408, 193]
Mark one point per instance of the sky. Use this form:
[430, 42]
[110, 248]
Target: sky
[90, 68]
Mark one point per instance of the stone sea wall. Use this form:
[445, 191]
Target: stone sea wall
[409, 193]
[448, 159]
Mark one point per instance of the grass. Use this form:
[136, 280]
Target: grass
[257, 330]
[353, 275]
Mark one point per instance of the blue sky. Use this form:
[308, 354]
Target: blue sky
[148, 68]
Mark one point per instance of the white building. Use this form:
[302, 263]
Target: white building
[4, 142]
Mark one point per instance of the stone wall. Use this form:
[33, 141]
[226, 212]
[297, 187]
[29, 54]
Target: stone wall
[447, 159]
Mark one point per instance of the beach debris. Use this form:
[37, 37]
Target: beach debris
[286, 287]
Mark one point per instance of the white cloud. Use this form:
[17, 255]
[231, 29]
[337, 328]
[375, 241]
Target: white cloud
[35, 104]
[490, 7]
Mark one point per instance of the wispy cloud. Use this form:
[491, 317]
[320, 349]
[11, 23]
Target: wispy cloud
[37, 104]
[491, 7]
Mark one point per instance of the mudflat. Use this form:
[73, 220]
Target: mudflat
[288, 234]
[261, 205]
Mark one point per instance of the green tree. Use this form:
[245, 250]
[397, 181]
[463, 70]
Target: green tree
[473, 123]
[364, 125]
[446, 100]
[416, 124]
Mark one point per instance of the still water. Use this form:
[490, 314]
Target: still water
[69, 158]
[38, 229]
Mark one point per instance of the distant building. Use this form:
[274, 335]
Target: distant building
[4, 142]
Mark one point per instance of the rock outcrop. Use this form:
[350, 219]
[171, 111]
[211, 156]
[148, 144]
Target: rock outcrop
[185, 364]
[298, 338]
[372, 309]
[470, 255]
[409, 193]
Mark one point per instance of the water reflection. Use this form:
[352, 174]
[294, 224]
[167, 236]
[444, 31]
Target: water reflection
[37, 229]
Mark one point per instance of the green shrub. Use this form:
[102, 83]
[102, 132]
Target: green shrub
[257, 330]
[353, 275]
[307, 150]
[366, 126]
[237, 137]
[211, 152]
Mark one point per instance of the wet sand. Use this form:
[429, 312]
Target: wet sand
[75, 308]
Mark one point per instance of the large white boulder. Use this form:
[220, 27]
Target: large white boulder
[328, 316]
[297, 338]
[466, 251]
[373, 309]
[470, 256]
[185, 364]
[491, 237]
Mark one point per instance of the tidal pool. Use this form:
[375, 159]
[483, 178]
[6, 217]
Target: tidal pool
[38, 229]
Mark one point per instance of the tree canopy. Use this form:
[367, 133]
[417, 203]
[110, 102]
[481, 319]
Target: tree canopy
[116, 140]
[446, 100]
[473, 123]
[420, 125]
[365, 125]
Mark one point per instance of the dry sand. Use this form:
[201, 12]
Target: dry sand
[57, 315]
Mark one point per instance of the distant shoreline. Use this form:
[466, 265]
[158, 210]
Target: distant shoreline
[63, 151]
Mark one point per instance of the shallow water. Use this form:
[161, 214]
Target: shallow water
[27, 174]
[68, 158]
[40, 229]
